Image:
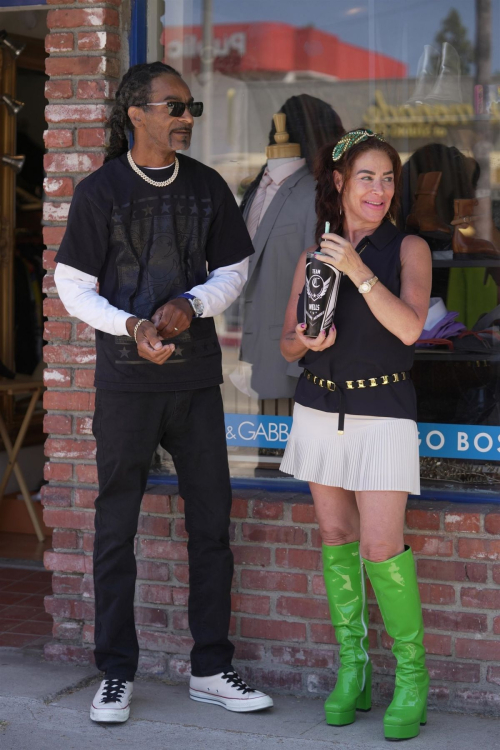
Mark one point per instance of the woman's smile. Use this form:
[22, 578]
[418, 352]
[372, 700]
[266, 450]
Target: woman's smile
[375, 204]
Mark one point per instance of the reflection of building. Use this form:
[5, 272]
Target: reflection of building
[243, 109]
[277, 50]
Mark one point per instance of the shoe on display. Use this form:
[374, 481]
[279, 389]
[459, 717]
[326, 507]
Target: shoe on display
[466, 245]
[427, 71]
[423, 217]
[479, 211]
[112, 701]
[447, 87]
[228, 690]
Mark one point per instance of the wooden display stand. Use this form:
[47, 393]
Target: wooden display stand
[14, 387]
[281, 148]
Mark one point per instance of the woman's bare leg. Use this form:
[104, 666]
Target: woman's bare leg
[382, 516]
[337, 514]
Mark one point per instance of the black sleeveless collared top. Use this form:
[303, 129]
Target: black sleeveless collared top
[364, 348]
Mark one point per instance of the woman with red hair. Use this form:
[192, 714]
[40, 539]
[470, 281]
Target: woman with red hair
[354, 436]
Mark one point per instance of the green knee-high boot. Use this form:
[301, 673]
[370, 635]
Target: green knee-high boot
[345, 588]
[395, 584]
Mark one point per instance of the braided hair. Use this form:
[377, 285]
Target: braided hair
[134, 89]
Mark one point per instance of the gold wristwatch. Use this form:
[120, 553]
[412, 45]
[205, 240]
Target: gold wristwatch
[366, 286]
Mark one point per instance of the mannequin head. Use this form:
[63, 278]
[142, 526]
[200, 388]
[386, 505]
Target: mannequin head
[311, 123]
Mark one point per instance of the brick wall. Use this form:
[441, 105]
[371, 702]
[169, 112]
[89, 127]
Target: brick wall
[280, 623]
[84, 46]
[84, 43]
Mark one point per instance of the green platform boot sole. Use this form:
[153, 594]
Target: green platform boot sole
[396, 732]
[338, 718]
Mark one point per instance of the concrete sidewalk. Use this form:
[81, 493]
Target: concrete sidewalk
[45, 706]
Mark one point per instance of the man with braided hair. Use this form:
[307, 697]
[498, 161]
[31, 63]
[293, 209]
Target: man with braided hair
[146, 226]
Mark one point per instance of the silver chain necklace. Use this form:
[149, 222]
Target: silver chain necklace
[138, 171]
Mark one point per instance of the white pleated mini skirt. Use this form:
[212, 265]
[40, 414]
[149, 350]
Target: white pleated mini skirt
[374, 453]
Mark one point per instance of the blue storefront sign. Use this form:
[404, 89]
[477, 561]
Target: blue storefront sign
[254, 431]
[440, 440]
[459, 441]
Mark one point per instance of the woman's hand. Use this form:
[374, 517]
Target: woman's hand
[318, 344]
[338, 252]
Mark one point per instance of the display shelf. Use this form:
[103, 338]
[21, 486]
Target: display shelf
[446, 356]
[465, 263]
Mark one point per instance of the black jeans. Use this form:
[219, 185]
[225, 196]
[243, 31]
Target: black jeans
[128, 427]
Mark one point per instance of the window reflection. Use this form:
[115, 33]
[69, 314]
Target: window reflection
[427, 75]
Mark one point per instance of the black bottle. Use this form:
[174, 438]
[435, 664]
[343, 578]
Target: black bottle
[321, 292]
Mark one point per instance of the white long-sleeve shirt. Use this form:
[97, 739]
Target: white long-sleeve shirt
[78, 293]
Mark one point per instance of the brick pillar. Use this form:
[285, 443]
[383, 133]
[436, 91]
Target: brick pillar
[84, 44]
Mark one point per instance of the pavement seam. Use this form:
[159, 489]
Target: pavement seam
[321, 721]
[70, 689]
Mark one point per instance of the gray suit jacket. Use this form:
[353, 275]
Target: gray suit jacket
[286, 230]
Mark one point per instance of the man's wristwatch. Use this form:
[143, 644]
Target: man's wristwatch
[196, 304]
[366, 286]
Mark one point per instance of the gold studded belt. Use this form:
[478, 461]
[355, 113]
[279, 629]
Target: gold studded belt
[330, 385]
[396, 377]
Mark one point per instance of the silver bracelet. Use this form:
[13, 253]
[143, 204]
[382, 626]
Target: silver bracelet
[136, 327]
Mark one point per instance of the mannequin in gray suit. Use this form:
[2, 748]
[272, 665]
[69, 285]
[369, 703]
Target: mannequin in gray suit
[286, 228]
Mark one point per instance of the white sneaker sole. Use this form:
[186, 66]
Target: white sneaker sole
[232, 704]
[110, 715]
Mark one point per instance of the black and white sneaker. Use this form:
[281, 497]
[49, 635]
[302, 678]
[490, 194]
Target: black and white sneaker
[227, 689]
[112, 701]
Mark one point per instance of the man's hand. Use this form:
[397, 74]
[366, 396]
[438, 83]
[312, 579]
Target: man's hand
[173, 318]
[149, 345]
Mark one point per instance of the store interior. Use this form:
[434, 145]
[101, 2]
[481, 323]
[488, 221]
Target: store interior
[22, 122]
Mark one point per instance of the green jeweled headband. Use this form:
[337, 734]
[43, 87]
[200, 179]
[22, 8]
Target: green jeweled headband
[351, 139]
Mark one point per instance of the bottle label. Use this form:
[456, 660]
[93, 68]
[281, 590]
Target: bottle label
[321, 292]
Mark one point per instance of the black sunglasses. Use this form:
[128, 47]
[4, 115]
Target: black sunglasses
[177, 109]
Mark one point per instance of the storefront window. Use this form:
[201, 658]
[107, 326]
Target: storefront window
[425, 74]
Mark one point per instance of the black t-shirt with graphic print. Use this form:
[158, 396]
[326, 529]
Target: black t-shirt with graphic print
[146, 245]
